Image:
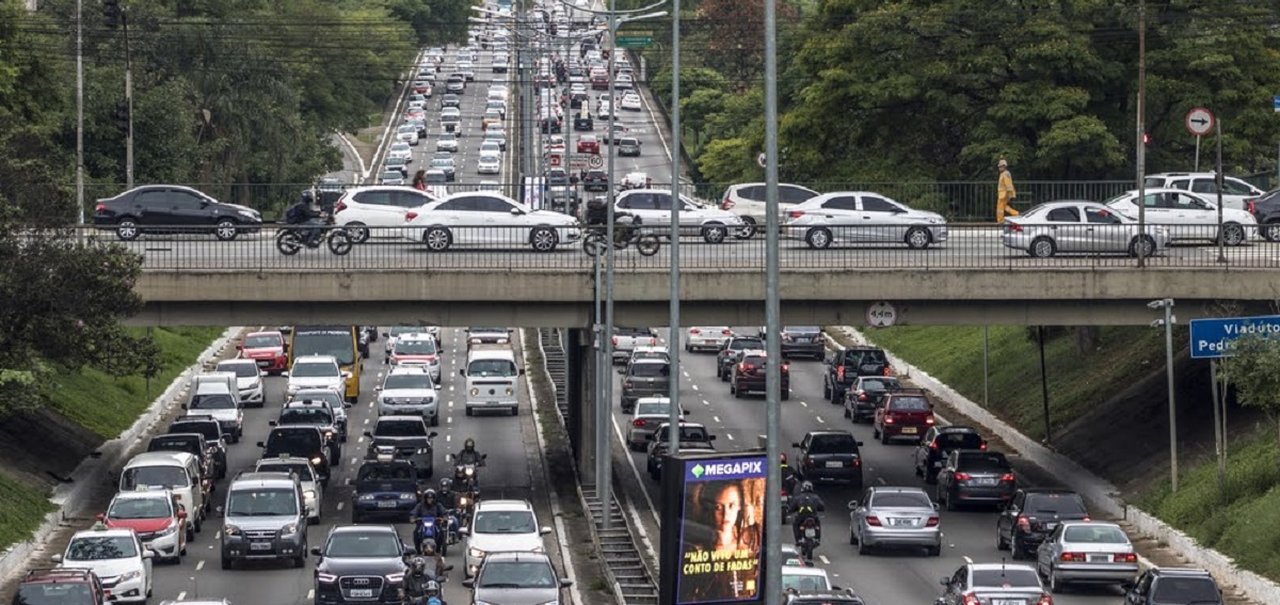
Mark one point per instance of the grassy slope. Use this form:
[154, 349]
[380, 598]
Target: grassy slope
[106, 405]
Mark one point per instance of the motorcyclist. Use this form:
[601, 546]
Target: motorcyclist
[789, 476]
[468, 454]
[428, 506]
[598, 216]
[306, 213]
[805, 505]
[415, 581]
[447, 498]
[435, 562]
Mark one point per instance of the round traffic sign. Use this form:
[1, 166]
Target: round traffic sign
[554, 161]
[881, 314]
[1199, 121]
[595, 161]
[761, 159]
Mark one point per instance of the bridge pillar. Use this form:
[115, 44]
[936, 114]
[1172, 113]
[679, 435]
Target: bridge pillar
[577, 349]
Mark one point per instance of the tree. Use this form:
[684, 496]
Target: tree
[735, 44]
[1254, 370]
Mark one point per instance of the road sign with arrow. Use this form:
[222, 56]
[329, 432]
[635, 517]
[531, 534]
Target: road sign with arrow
[1199, 121]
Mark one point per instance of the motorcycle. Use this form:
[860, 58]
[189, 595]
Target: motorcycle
[291, 239]
[810, 537]
[431, 595]
[466, 474]
[466, 505]
[427, 528]
[625, 233]
[786, 505]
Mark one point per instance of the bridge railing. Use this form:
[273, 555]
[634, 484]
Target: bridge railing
[443, 247]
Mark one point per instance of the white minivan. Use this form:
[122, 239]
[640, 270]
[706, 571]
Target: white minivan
[178, 472]
[492, 376]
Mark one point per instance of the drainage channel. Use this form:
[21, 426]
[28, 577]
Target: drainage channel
[632, 580]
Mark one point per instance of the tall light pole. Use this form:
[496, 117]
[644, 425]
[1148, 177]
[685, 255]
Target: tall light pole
[1140, 158]
[80, 111]
[674, 338]
[1167, 323]
[772, 319]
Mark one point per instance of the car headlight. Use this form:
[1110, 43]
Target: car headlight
[230, 530]
[309, 494]
[326, 578]
[395, 578]
[407, 496]
[130, 575]
[365, 498]
[475, 391]
[475, 553]
[316, 460]
[168, 530]
[289, 529]
[424, 450]
[509, 391]
[470, 471]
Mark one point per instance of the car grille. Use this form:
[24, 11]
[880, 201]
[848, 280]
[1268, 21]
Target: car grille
[349, 583]
[260, 535]
[406, 451]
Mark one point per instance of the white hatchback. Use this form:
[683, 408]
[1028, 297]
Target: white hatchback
[489, 219]
[502, 526]
[117, 557]
[490, 163]
[382, 207]
[1188, 216]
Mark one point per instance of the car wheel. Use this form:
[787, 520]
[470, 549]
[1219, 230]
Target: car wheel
[875, 432]
[437, 239]
[191, 533]
[918, 238]
[1142, 247]
[1042, 247]
[435, 420]
[853, 538]
[818, 238]
[1055, 586]
[127, 229]
[1001, 544]
[1232, 234]
[1271, 231]
[225, 230]
[786, 394]
[863, 549]
[826, 391]
[951, 505]
[884, 438]
[543, 239]
[1016, 548]
[748, 229]
[358, 231]
[714, 234]
[848, 414]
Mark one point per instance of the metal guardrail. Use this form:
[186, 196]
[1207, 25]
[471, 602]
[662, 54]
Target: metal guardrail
[708, 248]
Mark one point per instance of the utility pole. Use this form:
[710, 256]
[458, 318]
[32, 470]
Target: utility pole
[773, 322]
[604, 458]
[128, 100]
[673, 339]
[80, 111]
[1141, 156]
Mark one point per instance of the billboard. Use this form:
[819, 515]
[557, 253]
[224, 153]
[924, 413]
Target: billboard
[713, 553]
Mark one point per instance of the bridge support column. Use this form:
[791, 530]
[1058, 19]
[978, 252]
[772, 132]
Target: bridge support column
[575, 339]
[582, 412]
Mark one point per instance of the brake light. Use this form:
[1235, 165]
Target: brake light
[1072, 556]
[614, 340]
[888, 418]
[888, 370]
[933, 445]
[1252, 205]
[727, 332]
[410, 215]
[726, 203]
[862, 396]
[1024, 523]
[795, 214]
[983, 447]
[100, 207]
[1008, 477]
[873, 520]
[928, 419]
[339, 207]
[1012, 227]
[970, 599]
[638, 422]
[1045, 599]
[1124, 557]
[695, 331]
[840, 373]
[962, 476]
[653, 342]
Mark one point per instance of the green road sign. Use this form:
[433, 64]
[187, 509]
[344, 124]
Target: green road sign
[634, 41]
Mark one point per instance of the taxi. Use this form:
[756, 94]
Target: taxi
[157, 518]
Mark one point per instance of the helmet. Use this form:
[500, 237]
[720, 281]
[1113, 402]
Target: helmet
[429, 495]
[446, 484]
[308, 197]
[782, 458]
[433, 588]
[419, 565]
[428, 549]
[806, 487]
[469, 444]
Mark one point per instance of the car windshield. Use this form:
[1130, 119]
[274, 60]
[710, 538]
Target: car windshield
[303, 471]
[401, 428]
[901, 500]
[805, 582]
[241, 370]
[262, 503]
[354, 545]
[210, 430]
[504, 522]
[991, 462]
[174, 444]
[58, 593]
[881, 384]
[262, 341]
[139, 508]
[1094, 534]
[802, 329]
[309, 415]
[1008, 577]
[653, 409]
[215, 401]
[959, 441]
[407, 381]
[739, 344]
[299, 442]
[1054, 504]
[833, 444]
[516, 574]
[314, 370]
[384, 472]
[491, 367]
[910, 404]
[101, 548]
[650, 370]
[332, 398]
[154, 476]
[687, 433]
[339, 343]
[416, 347]
[1186, 590]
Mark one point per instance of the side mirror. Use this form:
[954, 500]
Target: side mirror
[462, 372]
[184, 406]
[408, 550]
[262, 373]
[272, 422]
[853, 505]
[315, 550]
[944, 582]
[148, 554]
[463, 531]
[346, 375]
[859, 444]
[368, 434]
[469, 583]
[565, 582]
[484, 456]
[711, 437]
[377, 389]
[239, 347]
[101, 517]
[262, 445]
[182, 514]
[432, 434]
[56, 558]
[544, 531]
[795, 445]
[521, 371]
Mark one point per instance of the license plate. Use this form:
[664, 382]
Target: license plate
[259, 546]
[909, 430]
[1008, 602]
[836, 464]
[810, 532]
[1099, 558]
[900, 522]
[987, 481]
[387, 504]
[263, 362]
[362, 593]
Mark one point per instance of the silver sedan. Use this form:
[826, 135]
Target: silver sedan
[895, 516]
[1073, 227]
[1086, 551]
[650, 412]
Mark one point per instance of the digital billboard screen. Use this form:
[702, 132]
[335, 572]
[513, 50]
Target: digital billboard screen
[714, 554]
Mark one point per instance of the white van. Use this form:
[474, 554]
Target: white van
[176, 471]
[491, 375]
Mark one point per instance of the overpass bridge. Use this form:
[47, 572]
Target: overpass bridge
[972, 279]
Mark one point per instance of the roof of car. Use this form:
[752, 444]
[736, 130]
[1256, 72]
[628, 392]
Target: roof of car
[362, 529]
[956, 429]
[797, 570]
[1049, 491]
[999, 566]
[504, 505]
[1181, 571]
[407, 369]
[315, 359]
[399, 418]
[60, 574]
[103, 532]
[160, 458]
[261, 479]
[830, 432]
[516, 556]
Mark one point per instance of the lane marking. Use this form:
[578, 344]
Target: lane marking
[354, 460]
[182, 595]
[311, 594]
[968, 560]
[716, 418]
[448, 438]
[366, 421]
[695, 387]
[820, 420]
[217, 535]
[200, 565]
[804, 404]
[340, 505]
[730, 436]
[449, 420]
[825, 561]
[881, 480]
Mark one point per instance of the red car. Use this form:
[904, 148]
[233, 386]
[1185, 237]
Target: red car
[157, 518]
[904, 414]
[63, 586]
[266, 348]
[589, 144]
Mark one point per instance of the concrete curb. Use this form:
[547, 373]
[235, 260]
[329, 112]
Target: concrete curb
[1098, 491]
[86, 476]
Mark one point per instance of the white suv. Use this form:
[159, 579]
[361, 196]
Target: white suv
[502, 526]
[1235, 193]
[747, 201]
[377, 206]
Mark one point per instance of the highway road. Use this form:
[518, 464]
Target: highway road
[513, 471]
[885, 578]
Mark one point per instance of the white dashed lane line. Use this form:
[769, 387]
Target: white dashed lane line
[200, 565]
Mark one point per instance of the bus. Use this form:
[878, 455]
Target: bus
[342, 342]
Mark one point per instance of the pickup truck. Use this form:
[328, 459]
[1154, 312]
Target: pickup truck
[626, 339]
[845, 365]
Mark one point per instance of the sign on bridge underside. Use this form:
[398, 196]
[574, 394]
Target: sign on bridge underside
[1215, 338]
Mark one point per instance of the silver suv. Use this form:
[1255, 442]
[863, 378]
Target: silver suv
[265, 519]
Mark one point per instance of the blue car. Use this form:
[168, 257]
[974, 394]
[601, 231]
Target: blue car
[384, 488]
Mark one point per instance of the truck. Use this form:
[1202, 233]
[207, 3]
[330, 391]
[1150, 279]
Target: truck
[846, 365]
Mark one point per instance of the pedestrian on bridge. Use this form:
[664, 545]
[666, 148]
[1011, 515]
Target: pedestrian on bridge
[1005, 193]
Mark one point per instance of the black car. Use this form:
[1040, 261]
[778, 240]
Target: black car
[846, 365]
[1174, 586]
[360, 564]
[866, 394]
[1266, 209]
[693, 438]
[584, 123]
[551, 125]
[213, 439]
[312, 413]
[402, 438]
[191, 443]
[830, 456]
[303, 441]
[801, 341]
[383, 488]
[1032, 515]
[173, 209]
[731, 353]
[595, 180]
[940, 441]
[976, 477]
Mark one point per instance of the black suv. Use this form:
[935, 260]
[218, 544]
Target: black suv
[213, 439]
[975, 476]
[731, 353]
[1032, 515]
[360, 564]
[304, 441]
[940, 441]
[595, 180]
[866, 394]
[830, 456]
[844, 366]
[173, 209]
[1174, 586]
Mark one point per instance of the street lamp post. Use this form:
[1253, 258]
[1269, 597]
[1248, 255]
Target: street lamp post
[773, 322]
[1167, 323]
[673, 339]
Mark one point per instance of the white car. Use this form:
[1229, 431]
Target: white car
[490, 147]
[408, 134]
[417, 104]
[653, 207]
[623, 82]
[805, 579]
[490, 163]
[409, 391]
[630, 102]
[1188, 216]
[449, 144]
[604, 109]
[1236, 193]
[383, 206]
[248, 379]
[316, 371]
[502, 526]
[706, 338]
[862, 217]
[117, 557]
[748, 201]
[401, 149]
[489, 219]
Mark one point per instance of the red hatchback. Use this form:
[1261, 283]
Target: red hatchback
[905, 415]
[267, 349]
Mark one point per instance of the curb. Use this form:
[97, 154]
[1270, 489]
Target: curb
[1097, 490]
[66, 495]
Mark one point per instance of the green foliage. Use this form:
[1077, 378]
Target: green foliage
[1254, 371]
[22, 510]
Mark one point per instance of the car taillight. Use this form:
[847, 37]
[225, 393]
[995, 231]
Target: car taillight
[840, 373]
[786, 368]
[862, 396]
[100, 207]
[873, 520]
[928, 419]
[1012, 227]
[626, 385]
[933, 445]
[983, 447]
[1252, 205]
[1124, 557]
[727, 332]
[888, 418]
[888, 370]
[971, 599]
[1007, 477]
[340, 206]
[962, 476]
[726, 203]
[932, 522]
[1045, 599]
[795, 214]
[1072, 556]
[653, 342]
[614, 340]
[638, 422]
[1024, 523]
[695, 331]
[410, 215]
